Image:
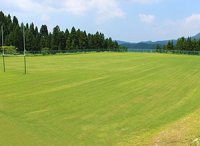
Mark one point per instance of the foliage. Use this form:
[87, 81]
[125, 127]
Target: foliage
[9, 49]
[183, 44]
[45, 51]
[58, 40]
[158, 48]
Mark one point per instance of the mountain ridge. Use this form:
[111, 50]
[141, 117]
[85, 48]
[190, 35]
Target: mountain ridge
[149, 44]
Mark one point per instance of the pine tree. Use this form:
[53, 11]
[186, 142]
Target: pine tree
[158, 48]
[55, 38]
[73, 39]
[170, 45]
[62, 41]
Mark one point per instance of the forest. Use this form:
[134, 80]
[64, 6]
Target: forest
[39, 39]
[183, 45]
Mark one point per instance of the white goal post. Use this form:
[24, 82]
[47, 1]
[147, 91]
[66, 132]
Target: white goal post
[3, 50]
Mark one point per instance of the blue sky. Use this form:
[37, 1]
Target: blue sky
[128, 20]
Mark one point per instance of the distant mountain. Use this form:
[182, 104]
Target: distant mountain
[139, 45]
[122, 42]
[149, 44]
[197, 36]
[142, 45]
[160, 42]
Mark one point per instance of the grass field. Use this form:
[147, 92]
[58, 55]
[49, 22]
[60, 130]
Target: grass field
[101, 99]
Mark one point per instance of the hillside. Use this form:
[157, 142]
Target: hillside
[141, 46]
[149, 44]
[197, 36]
[100, 99]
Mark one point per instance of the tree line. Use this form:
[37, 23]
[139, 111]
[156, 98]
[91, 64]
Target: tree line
[182, 44]
[57, 40]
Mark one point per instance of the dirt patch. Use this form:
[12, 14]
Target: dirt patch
[184, 132]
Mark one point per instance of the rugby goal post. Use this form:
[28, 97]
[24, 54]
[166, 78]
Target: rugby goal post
[3, 50]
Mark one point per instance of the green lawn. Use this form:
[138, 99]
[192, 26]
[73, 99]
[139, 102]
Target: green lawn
[95, 99]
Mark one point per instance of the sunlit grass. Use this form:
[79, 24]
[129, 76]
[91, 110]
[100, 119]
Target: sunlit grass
[95, 99]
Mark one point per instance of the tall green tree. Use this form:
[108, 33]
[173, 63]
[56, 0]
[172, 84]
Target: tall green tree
[170, 45]
[55, 38]
[43, 36]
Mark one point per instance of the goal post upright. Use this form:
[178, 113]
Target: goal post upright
[24, 40]
[3, 51]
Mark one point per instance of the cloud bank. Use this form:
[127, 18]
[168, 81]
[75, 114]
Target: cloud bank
[187, 26]
[102, 9]
[146, 1]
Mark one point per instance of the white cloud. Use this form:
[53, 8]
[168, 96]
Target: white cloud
[107, 10]
[29, 5]
[77, 7]
[187, 26]
[145, 1]
[194, 18]
[102, 9]
[146, 18]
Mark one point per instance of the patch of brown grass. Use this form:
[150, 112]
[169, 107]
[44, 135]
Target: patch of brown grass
[184, 132]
